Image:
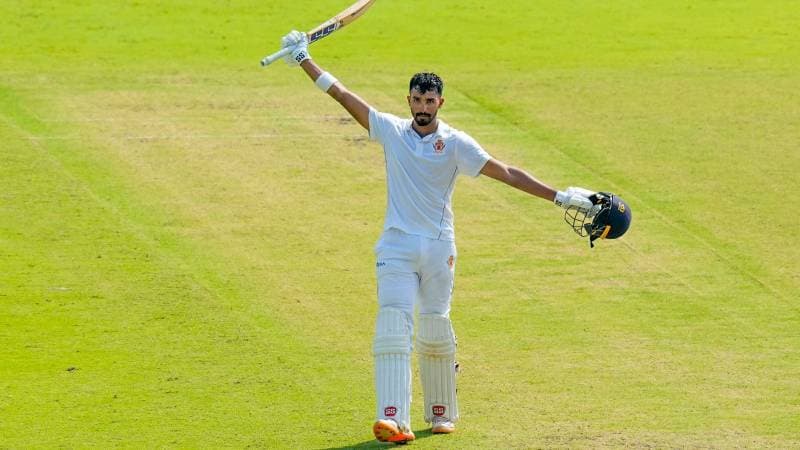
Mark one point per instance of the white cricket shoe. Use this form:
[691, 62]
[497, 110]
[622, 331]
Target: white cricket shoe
[442, 425]
[387, 430]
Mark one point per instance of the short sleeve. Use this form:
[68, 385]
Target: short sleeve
[379, 125]
[470, 157]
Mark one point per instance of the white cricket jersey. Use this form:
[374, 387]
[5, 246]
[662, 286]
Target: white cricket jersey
[421, 173]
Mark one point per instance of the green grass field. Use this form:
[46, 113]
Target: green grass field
[186, 238]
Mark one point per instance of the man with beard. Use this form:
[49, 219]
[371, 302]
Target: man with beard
[416, 254]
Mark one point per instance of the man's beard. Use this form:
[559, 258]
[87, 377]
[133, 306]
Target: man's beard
[422, 119]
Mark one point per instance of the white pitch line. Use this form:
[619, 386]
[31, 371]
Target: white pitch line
[198, 136]
[194, 118]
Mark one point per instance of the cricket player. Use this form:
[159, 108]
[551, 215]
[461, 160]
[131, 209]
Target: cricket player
[416, 254]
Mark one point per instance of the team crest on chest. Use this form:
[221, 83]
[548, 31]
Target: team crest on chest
[438, 146]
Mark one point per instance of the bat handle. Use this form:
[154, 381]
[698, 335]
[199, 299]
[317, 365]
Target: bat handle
[275, 56]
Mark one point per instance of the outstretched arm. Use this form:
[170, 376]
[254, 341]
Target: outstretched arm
[518, 178]
[354, 104]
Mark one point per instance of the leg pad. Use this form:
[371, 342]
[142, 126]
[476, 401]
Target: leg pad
[436, 346]
[392, 352]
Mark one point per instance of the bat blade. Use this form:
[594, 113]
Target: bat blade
[340, 20]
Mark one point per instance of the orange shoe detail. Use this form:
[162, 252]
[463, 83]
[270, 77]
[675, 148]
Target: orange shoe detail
[388, 431]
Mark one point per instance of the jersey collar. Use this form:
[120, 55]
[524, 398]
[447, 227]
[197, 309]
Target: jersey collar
[443, 131]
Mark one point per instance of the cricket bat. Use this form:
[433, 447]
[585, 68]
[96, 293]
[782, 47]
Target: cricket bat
[345, 17]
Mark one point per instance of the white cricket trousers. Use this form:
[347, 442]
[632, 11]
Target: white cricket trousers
[411, 271]
[415, 270]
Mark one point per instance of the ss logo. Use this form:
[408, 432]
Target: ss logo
[322, 33]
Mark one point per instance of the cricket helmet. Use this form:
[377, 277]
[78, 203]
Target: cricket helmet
[609, 218]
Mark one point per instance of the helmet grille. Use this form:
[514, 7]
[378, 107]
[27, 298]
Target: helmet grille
[576, 218]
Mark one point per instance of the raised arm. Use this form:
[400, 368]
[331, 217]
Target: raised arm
[299, 55]
[354, 104]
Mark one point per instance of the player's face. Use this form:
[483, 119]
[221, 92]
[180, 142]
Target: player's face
[424, 106]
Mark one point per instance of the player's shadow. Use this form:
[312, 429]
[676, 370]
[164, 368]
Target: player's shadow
[421, 434]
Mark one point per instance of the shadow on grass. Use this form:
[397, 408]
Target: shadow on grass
[421, 434]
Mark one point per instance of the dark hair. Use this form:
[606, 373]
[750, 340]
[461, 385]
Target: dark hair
[425, 81]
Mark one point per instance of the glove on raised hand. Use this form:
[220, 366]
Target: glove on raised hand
[293, 38]
[298, 42]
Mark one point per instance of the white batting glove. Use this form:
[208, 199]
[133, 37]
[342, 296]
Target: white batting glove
[579, 190]
[586, 193]
[575, 197]
[294, 38]
[298, 41]
[298, 55]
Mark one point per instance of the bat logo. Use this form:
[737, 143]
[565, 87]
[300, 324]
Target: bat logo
[390, 411]
[323, 32]
[438, 410]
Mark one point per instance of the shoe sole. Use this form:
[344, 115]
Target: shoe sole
[387, 432]
[442, 430]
